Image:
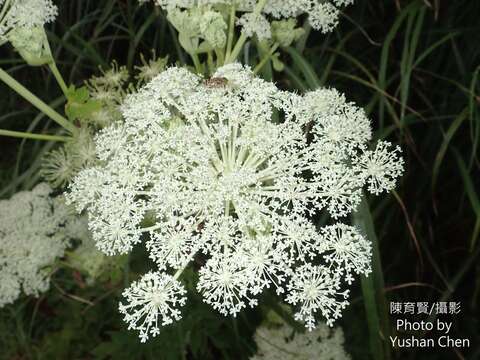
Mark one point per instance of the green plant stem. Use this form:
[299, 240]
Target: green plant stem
[373, 289]
[56, 73]
[302, 41]
[220, 57]
[4, 9]
[197, 63]
[231, 33]
[26, 135]
[210, 65]
[35, 101]
[373, 322]
[236, 50]
[243, 38]
[53, 68]
[265, 59]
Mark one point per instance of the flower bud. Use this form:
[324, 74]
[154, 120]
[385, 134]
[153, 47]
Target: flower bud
[285, 33]
[31, 44]
[213, 29]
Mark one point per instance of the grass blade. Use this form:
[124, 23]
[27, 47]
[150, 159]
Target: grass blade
[446, 141]
[472, 196]
[307, 70]
[373, 289]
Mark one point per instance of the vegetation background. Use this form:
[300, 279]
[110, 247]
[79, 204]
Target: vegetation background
[414, 65]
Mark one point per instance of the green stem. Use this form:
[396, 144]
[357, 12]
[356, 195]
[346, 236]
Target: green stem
[231, 32]
[236, 50]
[26, 135]
[56, 73]
[242, 39]
[373, 322]
[373, 289]
[302, 41]
[53, 67]
[265, 59]
[35, 101]
[5, 7]
[210, 66]
[197, 63]
[220, 57]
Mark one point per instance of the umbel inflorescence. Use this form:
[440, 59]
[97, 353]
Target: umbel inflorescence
[230, 171]
[21, 24]
[15, 14]
[322, 15]
[281, 342]
[207, 26]
[102, 97]
[35, 229]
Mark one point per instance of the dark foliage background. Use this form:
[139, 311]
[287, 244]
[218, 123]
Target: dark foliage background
[413, 65]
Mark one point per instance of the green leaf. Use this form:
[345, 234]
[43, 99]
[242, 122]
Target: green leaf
[373, 288]
[79, 103]
[307, 70]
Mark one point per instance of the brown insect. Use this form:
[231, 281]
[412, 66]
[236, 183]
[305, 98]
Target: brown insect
[216, 82]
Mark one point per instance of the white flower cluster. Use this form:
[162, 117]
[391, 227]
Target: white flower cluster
[106, 93]
[322, 15]
[33, 234]
[230, 171]
[152, 302]
[16, 14]
[282, 343]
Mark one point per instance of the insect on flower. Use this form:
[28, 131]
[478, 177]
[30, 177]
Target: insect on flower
[216, 82]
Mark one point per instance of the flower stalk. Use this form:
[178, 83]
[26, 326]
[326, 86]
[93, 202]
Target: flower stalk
[56, 73]
[265, 59]
[35, 101]
[231, 32]
[27, 135]
[197, 63]
[243, 38]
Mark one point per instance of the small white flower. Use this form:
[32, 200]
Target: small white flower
[316, 289]
[34, 233]
[172, 243]
[253, 24]
[25, 13]
[322, 15]
[264, 264]
[382, 167]
[282, 342]
[298, 236]
[346, 248]
[152, 302]
[224, 284]
[114, 227]
[10, 286]
[58, 167]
